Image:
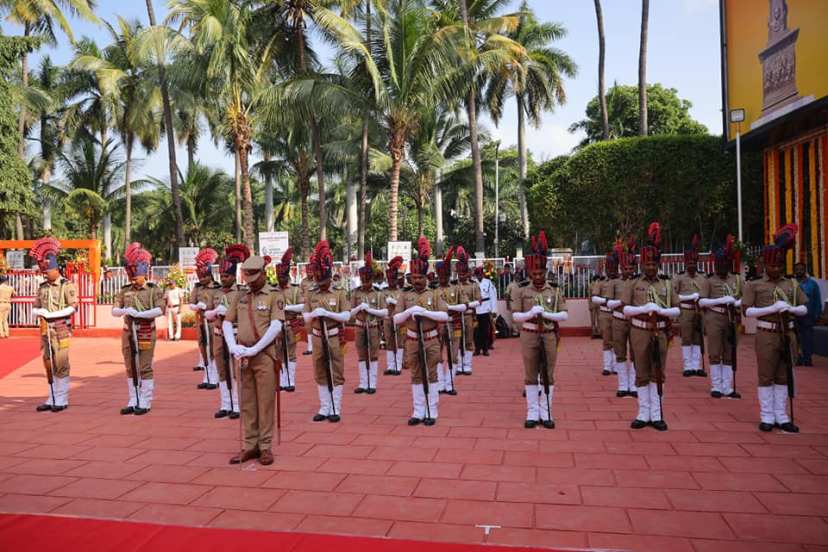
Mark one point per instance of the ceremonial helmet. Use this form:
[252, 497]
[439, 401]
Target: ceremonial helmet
[283, 268]
[137, 260]
[393, 269]
[204, 260]
[783, 241]
[538, 250]
[652, 251]
[321, 262]
[419, 264]
[691, 254]
[443, 266]
[233, 256]
[727, 257]
[45, 252]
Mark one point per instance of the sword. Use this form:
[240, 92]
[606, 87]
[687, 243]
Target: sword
[423, 364]
[544, 366]
[228, 370]
[462, 341]
[241, 364]
[50, 375]
[368, 349]
[208, 353]
[787, 359]
[448, 356]
[133, 345]
[732, 335]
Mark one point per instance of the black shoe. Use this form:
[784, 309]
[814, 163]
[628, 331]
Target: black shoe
[451, 392]
[290, 388]
[808, 363]
[359, 390]
[524, 392]
[788, 427]
[141, 411]
[334, 418]
[485, 353]
[306, 353]
[59, 408]
[701, 373]
[476, 353]
[441, 391]
[734, 395]
[127, 410]
[202, 385]
[221, 414]
[414, 421]
[320, 418]
[370, 391]
[620, 394]
[549, 424]
[44, 407]
[233, 415]
[605, 372]
[388, 373]
[765, 427]
[197, 368]
[632, 394]
[431, 421]
[716, 394]
[688, 373]
[660, 425]
[211, 386]
[530, 424]
[638, 424]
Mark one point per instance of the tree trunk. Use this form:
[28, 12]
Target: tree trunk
[248, 231]
[642, 69]
[523, 163]
[191, 148]
[45, 178]
[396, 150]
[238, 196]
[320, 179]
[107, 232]
[351, 215]
[128, 190]
[438, 212]
[18, 226]
[363, 152]
[268, 198]
[420, 209]
[168, 122]
[304, 189]
[21, 121]
[602, 53]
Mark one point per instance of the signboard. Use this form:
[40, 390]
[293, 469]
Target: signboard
[187, 255]
[273, 245]
[15, 259]
[400, 249]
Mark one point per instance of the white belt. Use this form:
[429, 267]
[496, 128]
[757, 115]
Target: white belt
[331, 333]
[431, 334]
[619, 315]
[720, 310]
[605, 309]
[533, 328]
[688, 306]
[772, 326]
[647, 325]
[361, 324]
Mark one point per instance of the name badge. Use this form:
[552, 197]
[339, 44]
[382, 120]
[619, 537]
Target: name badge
[549, 300]
[261, 307]
[429, 301]
[332, 302]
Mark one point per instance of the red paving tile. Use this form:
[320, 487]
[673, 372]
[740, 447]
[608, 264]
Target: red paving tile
[592, 482]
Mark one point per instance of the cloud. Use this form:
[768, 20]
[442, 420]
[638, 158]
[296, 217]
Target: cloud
[550, 140]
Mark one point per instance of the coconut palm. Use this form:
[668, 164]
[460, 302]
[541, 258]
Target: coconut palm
[642, 69]
[602, 54]
[536, 82]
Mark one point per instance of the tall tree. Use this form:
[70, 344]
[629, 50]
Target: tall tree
[537, 83]
[642, 69]
[168, 125]
[602, 54]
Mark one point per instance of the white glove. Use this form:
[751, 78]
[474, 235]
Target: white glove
[691, 297]
[295, 308]
[39, 312]
[437, 316]
[756, 312]
[613, 303]
[379, 313]
[340, 317]
[737, 303]
[474, 304]
[272, 331]
[801, 310]
[239, 351]
[457, 308]
[652, 307]
[193, 306]
[556, 316]
[221, 310]
[781, 306]
[598, 300]
[669, 313]
[210, 314]
[117, 312]
[359, 308]
[201, 305]
[536, 310]
[390, 300]
[131, 312]
[631, 311]
[229, 335]
[148, 314]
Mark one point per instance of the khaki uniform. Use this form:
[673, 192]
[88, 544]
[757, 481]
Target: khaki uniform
[393, 344]
[621, 342]
[291, 295]
[205, 294]
[594, 289]
[55, 335]
[366, 322]
[720, 323]
[468, 292]
[690, 320]
[6, 293]
[253, 312]
[605, 290]
[221, 354]
[305, 286]
[145, 298]
[445, 379]
[333, 301]
[509, 295]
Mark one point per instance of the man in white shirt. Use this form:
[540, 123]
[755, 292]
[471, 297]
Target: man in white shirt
[485, 311]
[173, 295]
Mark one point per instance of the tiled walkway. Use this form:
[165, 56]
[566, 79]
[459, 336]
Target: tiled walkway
[712, 482]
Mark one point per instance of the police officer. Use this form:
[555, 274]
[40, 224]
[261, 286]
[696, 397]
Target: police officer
[200, 297]
[468, 293]
[605, 312]
[293, 302]
[393, 340]
[368, 310]
[448, 294]
[688, 285]
[54, 304]
[624, 363]
[140, 302]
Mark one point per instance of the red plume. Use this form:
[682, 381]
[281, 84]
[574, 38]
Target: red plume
[43, 247]
[785, 237]
[287, 257]
[462, 256]
[449, 255]
[206, 256]
[632, 244]
[369, 260]
[695, 242]
[618, 248]
[423, 247]
[131, 250]
[395, 263]
[237, 253]
[543, 246]
[654, 233]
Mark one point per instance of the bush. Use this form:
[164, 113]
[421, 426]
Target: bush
[688, 183]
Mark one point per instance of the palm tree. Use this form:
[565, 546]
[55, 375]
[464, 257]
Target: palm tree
[50, 138]
[537, 83]
[602, 53]
[135, 98]
[160, 59]
[642, 69]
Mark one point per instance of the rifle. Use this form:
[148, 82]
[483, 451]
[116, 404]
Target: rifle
[701, 332]
[732, 338]
[326, 350]
[544, 365]
[462, 341]
[242, 365]
[228, 371]
[278, 390]
[368, 349]
[205, 342]
[134, 360]
[787, 358]
[423, 364]
[285, 359]
[394, 329]
[449, 329]
[655, 358]
[50, 363]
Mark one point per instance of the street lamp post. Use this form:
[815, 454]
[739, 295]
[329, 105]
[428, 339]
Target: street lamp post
[497, 200]
[737, 116]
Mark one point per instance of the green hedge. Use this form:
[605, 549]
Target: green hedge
[688, 183]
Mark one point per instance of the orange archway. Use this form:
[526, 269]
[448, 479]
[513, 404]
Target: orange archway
[93, 248]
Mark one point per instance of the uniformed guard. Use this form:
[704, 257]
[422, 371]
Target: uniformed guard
[6, 294]
[624, 364]
[688, 285]
[595, 290]
[448, 294]
[468, 293]
[305, 286]
[234, 255]
[720, 301]
[326, 312]
[539, 308]
[200, 297]
[650, 304]
[605, 313]
[774, 300]
[294, 304]
[368, 311]
[421, 309]
[54, 304]
[393, 340]
[258, 317]
[140, 302]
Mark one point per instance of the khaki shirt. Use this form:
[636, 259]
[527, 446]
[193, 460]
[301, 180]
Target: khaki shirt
[224, 296]
[253, 312]
[764, 292]
[147, 297]
[429, 299]
[57, 295]
[6, 293]
[291, 295]
[374, 297]
[204, 294]
[467, 293]
[605, 288]
[716, 287]
[333, 300]
[510, 294]
[688, 285]
[393, 294]
[641, 291]
[548, 296]
[449, 294]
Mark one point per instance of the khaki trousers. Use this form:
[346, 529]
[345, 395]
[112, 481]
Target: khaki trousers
[532, 344]
[258, 400]
[645, 370]
[320, 362]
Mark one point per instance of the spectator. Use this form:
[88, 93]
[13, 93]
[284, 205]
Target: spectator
[505, 278]
[485, 311]
[805, 324]
[6, 294]
[173, 296]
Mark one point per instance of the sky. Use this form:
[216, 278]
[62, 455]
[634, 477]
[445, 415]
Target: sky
[683, 54]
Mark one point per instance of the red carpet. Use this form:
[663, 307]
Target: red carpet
[28, 532]
[17, 351]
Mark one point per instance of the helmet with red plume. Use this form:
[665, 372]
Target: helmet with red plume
[283, 268]
[393, 269]
[538, 250]
[321, 262]
[45, 252]
[691, 254]
[727, 257]
[651, 253]
[783, 241]
[233, 256]
[419, 265]
[443, 266]
[204, 261]
[137, 260]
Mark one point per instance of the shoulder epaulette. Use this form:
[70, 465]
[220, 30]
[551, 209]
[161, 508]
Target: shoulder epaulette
[523, 284]
[664, 277]
[408, 288]
[127, 285]
[683, 272]
[150, 284]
